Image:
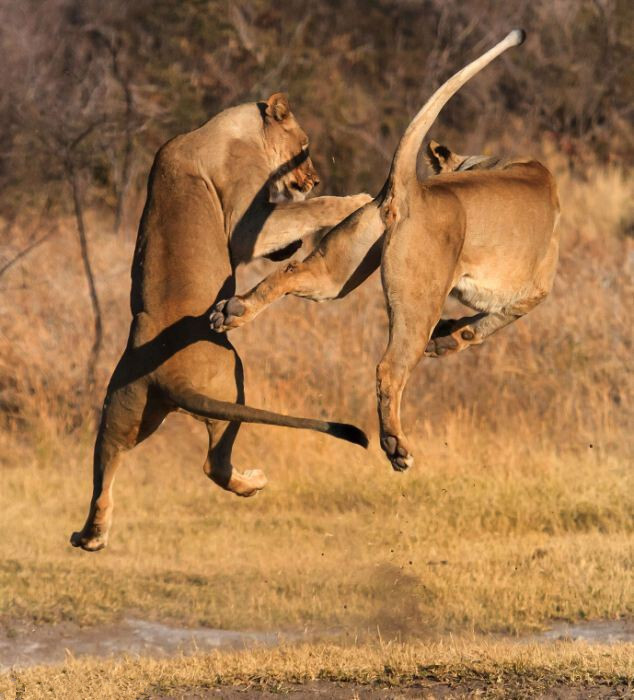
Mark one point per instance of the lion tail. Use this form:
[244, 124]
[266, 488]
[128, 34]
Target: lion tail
[404, 162]
[198, 404]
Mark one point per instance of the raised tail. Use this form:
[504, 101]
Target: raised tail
[404, 162]
[200, 405]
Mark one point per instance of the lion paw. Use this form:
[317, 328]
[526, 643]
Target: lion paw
[89, 542]
[449, 337]
[443, 345]
[226, 315]
[248, 483]
[399, 456]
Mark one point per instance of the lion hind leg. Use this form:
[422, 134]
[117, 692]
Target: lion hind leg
[129, 416]
[392, 374]
[411, 325]
[218, 466]
[94, 535]
[408, 336]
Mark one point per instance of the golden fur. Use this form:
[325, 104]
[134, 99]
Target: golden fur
[216, 198]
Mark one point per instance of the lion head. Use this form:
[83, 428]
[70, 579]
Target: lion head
[442, 160]
[293, 174]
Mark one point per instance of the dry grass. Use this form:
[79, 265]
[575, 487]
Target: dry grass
[518, 511]
[490, 542]
[560, 373]
[493, 669]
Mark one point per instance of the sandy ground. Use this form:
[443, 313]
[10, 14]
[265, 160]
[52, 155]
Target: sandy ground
[23, 645]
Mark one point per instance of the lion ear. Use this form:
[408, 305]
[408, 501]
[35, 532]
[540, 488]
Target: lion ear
[277, 107]
[437, 156]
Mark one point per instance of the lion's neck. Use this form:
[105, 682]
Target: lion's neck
[243, 189]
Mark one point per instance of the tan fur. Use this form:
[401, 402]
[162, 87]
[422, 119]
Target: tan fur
[487, 235]
[208, 209]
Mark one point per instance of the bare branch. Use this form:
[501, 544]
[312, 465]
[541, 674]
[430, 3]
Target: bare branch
[25, 251]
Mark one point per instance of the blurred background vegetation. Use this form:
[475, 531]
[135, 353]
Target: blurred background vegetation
[90, 89]
[97, 87]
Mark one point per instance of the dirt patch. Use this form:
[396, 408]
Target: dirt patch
[596, 632]
[28, 645]
[23, 645]
[428, 691]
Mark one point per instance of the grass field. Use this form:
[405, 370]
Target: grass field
[456, 669]
[484, 543]
[519, 510]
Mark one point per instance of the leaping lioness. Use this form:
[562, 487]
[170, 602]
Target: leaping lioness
[487, 236]
[213, 202]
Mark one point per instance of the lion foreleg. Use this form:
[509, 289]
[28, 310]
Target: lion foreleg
[302, 279]
[285, 223]
[344, 259]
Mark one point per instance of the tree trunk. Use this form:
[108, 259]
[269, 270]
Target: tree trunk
[124, 184]
[122, 190]
[90, 279]
[124, 82]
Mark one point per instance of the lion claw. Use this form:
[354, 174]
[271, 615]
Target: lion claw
[217, 321]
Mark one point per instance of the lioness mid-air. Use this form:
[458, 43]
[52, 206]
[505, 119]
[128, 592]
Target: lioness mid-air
[487, 236]
[215, 199]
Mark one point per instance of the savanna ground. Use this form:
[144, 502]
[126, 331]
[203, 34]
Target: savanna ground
[518, 513]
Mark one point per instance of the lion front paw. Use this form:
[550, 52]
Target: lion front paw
[227, 314]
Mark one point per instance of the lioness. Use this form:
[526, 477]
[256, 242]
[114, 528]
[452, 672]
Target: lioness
[487, 236]
[210, 206]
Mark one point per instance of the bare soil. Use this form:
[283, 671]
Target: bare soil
[429, 691]
[23, 645]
